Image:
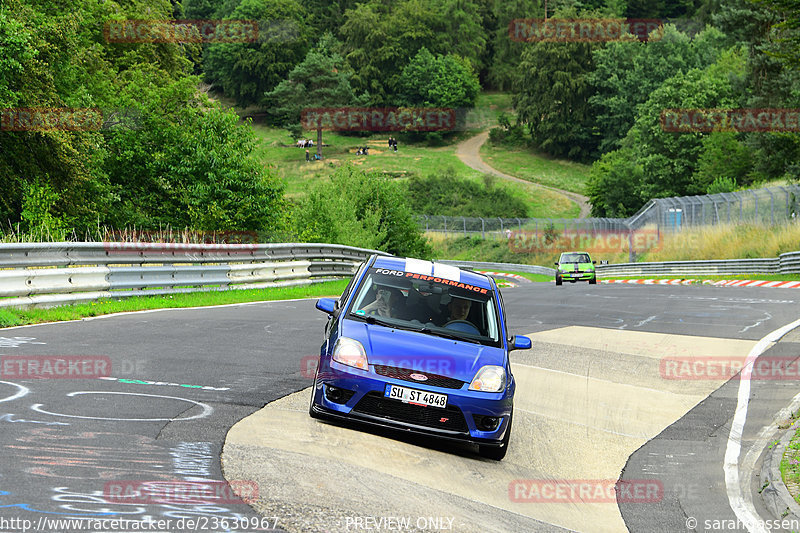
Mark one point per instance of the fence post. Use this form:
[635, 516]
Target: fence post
[771, 208]
[756, 197]
[483, 228]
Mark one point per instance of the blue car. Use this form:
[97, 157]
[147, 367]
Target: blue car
[421, 347]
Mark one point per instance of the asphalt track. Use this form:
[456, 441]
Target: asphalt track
[593, 397]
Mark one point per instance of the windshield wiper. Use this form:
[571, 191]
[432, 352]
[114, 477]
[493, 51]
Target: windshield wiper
[441, 333]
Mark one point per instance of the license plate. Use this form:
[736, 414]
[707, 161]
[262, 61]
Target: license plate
[419, 397]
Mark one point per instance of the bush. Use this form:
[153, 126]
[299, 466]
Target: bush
[508, 134]
[361, 209]
[448, 194]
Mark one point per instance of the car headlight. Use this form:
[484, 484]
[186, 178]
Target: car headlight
[350, 352]
[490, 378]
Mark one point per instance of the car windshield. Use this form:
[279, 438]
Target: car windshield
[443, 308]
[575, 258]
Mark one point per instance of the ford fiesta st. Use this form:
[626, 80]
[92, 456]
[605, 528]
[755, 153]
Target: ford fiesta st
[421, 347]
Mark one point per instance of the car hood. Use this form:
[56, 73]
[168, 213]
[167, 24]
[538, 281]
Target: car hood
[423, 352]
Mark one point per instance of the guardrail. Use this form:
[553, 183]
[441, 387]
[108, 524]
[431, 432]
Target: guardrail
[507, 267]
[788, 263]
[46, 274]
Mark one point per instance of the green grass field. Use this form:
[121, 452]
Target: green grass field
[528, 165]
[278, 151]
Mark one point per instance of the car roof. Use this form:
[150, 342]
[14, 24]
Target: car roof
[439, 270]
[565, 253]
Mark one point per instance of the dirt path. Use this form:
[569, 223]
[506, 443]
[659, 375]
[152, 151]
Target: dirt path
[469, 152]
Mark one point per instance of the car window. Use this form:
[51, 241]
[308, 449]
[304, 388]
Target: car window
[575, 258]
[439, 308]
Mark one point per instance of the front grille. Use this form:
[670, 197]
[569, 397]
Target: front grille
[375, 404]
[404, 374]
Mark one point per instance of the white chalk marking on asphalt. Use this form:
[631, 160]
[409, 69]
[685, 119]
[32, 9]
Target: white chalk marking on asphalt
[768, 317]
[645, 321]
[740, 502]
[207, 409]
[21, 391]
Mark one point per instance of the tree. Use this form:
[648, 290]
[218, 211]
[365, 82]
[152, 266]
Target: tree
[551, 96]
[246, 70]
[670, 159]
[627, 72]
[440, 81]
[507, 49]
[787, 29]
[724, 159]
[380, 38]
[320, 80]
[178, 160]
[613, 184]
[189, 164]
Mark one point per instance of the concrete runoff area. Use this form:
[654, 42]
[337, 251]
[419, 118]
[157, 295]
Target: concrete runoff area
[573, 426]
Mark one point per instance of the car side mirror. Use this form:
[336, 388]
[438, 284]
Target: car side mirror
[594, 262]
[556, 264]
[326, 304]
[520, 342]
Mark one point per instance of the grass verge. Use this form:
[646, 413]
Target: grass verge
[528, 275]
[526, 164]
[790, 467]
[20, 317]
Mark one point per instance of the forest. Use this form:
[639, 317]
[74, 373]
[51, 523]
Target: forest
[166, 152]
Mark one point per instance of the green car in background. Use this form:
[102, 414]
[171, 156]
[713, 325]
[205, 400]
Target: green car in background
[575, 266]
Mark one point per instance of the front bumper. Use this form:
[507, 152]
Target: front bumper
[369, 406]
[577, 276]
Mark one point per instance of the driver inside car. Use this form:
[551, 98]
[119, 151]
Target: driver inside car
[457, 309]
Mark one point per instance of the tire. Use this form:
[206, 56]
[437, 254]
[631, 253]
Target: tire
[497, 453]
[593, 281]
[558, 280]
[311, 412]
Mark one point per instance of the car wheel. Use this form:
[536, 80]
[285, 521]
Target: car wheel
[558, 280]
[498, 452]
[311, 412]
[593, 281]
